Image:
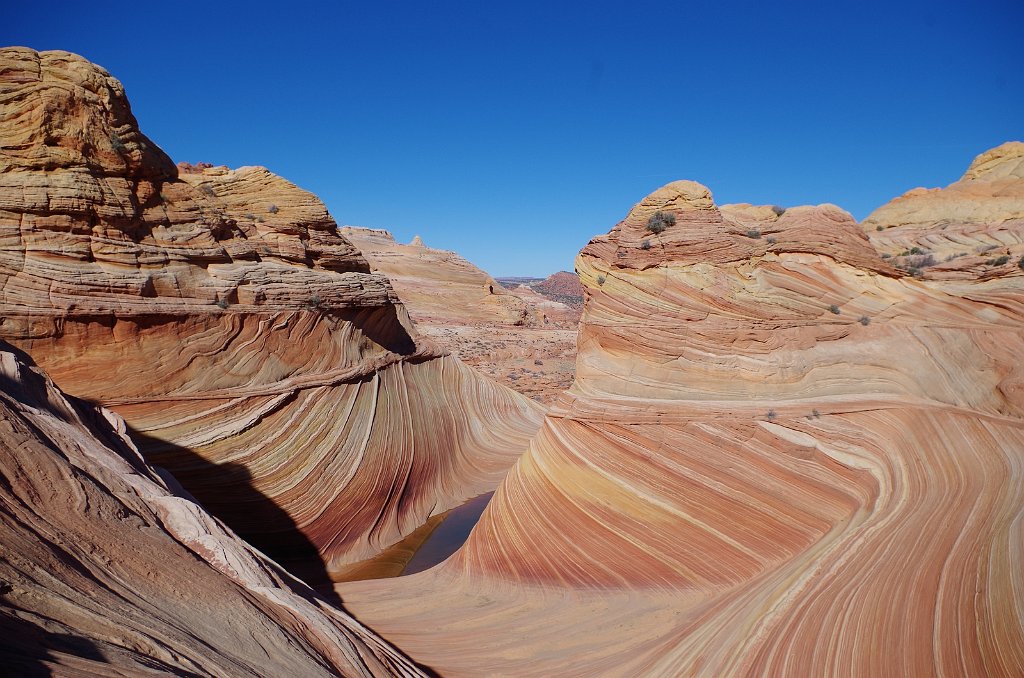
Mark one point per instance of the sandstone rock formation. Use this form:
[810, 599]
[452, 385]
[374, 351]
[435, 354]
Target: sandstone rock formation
[781, 456]
[246, 343]
[105, 570]
[518, 337]
[972, 229]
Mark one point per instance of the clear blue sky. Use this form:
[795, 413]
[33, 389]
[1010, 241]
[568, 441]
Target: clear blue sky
[513, 133]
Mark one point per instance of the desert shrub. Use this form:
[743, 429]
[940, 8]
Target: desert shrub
[886, 255]
[754, 233]
[864, 320]
[273, 209]
[771, 240]
[222, 303]
[779, 210]
[816, 413]
[920, 261]
[645, 245]
[117, 143]
[771, 415]
[208, 190]
[538, 362]
[314, 303]
[1001, 260]
[1020, 264]
[601, 279]
[916, 250]
[659, 221]
[250, 217]
[834, 309]
[879, 228]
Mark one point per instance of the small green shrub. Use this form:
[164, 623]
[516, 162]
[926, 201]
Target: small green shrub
[834, 309]
[222, 303]
[864, 320]
[879, 228]
[273, 209]
[1020, 264]
[601, 279]
[916, 250]
[314, 303]
[779, 210]
[754, 233]
[816, 413]
[645, 245]
[1000, 260]
[659, 221]
[771, 415]
[771, 240]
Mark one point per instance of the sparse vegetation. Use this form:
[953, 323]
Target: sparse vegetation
[314, 303]
[771, 415]
[754, 233]
[538, 362]
[864, 320]
[886, 255]
[834, 309]
[117, 143]
[601, 279]
[999, 261]
[816, 414]
[771, 240]
[659, 221]
[1020, 264]
[879, 228]
[250, 217]
[222, 303]
[273, 209]
[208, 190]
[779, 210]
[916, 250]
[645, 245]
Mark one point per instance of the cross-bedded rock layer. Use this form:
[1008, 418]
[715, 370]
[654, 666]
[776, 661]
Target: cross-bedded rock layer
[105, 570]
[247, 344]
[781, 456]
[516, 336]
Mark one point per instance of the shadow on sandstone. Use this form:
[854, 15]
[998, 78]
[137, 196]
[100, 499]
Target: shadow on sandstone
[226, 490]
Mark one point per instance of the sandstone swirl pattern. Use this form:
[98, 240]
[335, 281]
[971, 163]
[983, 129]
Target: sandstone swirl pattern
[106, 571]
[781, 456]
[246, 343]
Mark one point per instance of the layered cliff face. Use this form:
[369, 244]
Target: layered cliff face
[781, 456]
[246, 343]
[517, 337]
[105, 570]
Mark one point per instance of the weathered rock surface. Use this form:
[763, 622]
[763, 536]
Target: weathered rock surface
[517, 337]
[246, 343]
[973, 228]
[105, 570]
[781, 456]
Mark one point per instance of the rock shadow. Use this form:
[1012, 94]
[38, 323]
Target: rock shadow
[226, 490]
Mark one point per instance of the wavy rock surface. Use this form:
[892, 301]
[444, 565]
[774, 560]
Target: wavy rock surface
[517, 337]
[973, 228]
[781, 456]
[106, 571]
[247, 344]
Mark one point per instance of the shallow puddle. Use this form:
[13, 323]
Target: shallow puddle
[428, 545]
